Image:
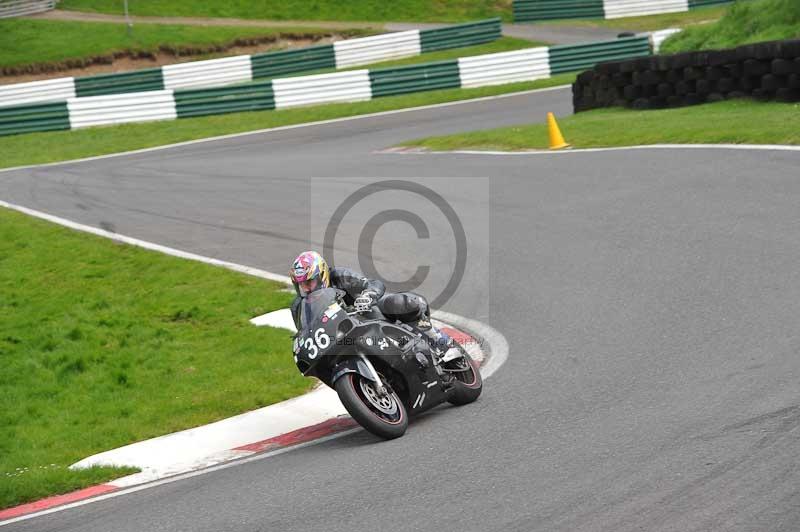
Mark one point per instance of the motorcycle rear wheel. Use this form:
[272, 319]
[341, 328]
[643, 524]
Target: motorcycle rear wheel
[468, 384]
[382, 416]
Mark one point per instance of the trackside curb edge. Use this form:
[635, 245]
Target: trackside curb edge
[326, 424]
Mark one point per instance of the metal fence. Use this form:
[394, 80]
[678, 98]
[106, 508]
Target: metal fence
[17, 8]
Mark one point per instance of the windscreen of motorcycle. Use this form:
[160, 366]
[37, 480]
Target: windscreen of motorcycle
[320, 313]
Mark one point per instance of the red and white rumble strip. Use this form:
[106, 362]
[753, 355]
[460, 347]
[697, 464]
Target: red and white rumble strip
[58, 500]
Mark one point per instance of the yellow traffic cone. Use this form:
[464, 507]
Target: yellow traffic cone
[556, 138]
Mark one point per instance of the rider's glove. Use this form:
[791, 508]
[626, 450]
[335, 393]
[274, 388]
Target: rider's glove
[365, 301]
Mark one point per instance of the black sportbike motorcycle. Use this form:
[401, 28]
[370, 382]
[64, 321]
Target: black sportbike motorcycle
[382, 371]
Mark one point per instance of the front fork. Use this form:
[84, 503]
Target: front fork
[379, 387]
[359, 364]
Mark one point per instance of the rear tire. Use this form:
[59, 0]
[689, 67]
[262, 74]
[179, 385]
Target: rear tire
[468, 384]
[385, 417]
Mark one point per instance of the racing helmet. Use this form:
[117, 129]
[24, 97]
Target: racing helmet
[309, 272]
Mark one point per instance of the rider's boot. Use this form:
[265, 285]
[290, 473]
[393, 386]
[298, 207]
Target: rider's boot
[439, 340]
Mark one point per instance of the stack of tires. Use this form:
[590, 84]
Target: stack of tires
[764, 71]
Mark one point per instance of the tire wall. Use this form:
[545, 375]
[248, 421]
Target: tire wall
[764, 71]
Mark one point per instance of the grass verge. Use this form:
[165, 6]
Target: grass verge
[662, 21]
[29, 41]
[105, 344]
[373, 10]
[728, 122]
[743, 23]
[38, 148]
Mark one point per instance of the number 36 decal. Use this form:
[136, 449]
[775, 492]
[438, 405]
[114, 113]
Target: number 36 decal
[320, 341]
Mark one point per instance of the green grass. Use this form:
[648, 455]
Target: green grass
[27, 41]
[104, 344]
[702, 15]
[729, 122]
[746, 22]
[360, 10]
[37, 148]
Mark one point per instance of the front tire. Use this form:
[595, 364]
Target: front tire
[382, 416]
[468, 383]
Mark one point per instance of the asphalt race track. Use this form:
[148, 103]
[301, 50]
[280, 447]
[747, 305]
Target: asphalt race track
[649, 297]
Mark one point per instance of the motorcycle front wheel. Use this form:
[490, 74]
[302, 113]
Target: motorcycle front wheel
[384, 416]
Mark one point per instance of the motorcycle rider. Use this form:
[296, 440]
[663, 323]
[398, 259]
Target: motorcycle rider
[310, 272]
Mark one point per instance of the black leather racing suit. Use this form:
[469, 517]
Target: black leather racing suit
[405, 306]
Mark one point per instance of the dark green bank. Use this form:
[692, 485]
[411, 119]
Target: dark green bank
[415, 78]
[34, 117]
[572, 57]
[257, 96]
[150, 79]
[272, 64]
[533, 10]
[460, 35]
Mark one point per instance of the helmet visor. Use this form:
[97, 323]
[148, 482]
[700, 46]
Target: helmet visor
[308, 286]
